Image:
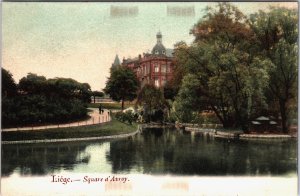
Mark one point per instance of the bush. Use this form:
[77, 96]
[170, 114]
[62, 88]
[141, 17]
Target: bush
[209, 118]
[41, 100]
[127, 116]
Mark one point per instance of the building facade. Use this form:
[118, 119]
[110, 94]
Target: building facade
[154, 68]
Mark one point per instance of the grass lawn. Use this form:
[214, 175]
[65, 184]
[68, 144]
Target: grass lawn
[112, 128]
[111, 106]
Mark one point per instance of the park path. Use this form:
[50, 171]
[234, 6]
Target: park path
[95, 118]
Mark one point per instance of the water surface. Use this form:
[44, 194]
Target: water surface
[156, 152]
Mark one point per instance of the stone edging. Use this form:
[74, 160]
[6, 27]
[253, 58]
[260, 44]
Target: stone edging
[71, 139]
[236, 134]
[199, 129]
[167, 125]
[260, 136]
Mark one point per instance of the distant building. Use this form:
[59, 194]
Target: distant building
[116, 62]
[152, 68]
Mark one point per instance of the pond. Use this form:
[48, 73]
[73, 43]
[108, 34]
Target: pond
[155, 152]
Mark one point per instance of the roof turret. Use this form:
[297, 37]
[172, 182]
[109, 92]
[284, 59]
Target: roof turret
[159, 47]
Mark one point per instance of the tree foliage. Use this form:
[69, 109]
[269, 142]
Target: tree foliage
[231, 79]
[277, 33]
[96, 94]
[9, 87]
[42, 100]
[152, 99]
[122, 85]
[238, 66]
[188, 101]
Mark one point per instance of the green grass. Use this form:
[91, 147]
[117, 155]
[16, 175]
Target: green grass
[112, 128]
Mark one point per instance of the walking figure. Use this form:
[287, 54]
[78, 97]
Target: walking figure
[100, 109]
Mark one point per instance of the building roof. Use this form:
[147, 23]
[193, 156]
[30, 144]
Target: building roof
[116, 62]
[131, 60]
[169, 52]
[159, 49]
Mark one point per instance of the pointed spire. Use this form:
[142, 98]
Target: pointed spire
[116, 62]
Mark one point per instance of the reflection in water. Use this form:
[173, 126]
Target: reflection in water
[41, 159]
[174, 152]
[154, 151]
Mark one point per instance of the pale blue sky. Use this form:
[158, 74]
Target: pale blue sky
[80, 40]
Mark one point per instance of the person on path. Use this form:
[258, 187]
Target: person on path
[100, 109]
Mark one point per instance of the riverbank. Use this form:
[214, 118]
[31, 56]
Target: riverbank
[89, 132]
[236, 134]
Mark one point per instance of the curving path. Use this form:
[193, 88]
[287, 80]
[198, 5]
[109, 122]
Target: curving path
[95, 118]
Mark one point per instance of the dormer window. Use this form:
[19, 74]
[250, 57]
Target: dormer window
[156, 51]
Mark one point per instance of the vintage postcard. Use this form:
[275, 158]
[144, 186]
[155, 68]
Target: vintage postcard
[149, 98]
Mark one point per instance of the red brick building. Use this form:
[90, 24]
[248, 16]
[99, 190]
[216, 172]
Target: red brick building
[152, 68]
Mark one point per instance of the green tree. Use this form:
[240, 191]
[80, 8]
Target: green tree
[122, 85]
[9, 95]
[188, 100]
[44, 100]
[9, 87]
[277, 32]
[169, 91]
[68, 88]
[231, 79]
[152, 99]
[32, 84]
[97, 94]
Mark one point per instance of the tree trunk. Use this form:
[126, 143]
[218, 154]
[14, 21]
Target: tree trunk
[150, 109]
[283, 114]
[122, 104]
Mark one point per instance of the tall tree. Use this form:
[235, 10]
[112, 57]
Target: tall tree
[152, 99]
[230, 77]
[188, 99]
[277, 32]
[122, 85]
[9, 87]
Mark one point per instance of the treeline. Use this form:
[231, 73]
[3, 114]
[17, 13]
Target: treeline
[239, 67]
[37, 100]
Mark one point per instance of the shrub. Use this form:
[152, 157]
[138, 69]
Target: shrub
[127, 116]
